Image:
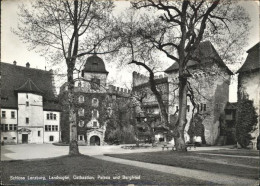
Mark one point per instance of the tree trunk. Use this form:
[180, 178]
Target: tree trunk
[73, 149]
[179, 139]
[162, 107]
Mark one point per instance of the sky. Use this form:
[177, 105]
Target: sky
[12, 48]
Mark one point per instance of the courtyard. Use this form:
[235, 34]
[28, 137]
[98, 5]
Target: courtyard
[113, 165]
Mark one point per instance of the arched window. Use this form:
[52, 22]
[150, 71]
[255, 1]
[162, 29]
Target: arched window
[81, 99]
[81, 123]
[81, 112]
[95, 102]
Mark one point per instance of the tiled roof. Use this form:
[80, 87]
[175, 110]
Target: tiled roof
[95, 64]
[29, 87]
[23, 79]
[205, 52]
[252, 61]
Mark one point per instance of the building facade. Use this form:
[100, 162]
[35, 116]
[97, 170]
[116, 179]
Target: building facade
[94, 103]
[209, 83]
[28, 99]
[249, 83]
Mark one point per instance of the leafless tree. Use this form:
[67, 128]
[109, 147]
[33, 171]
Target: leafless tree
[176, 28]
[66, 31]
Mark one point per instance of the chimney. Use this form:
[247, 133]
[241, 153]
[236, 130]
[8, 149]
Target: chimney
[28, 65]
[14, 62]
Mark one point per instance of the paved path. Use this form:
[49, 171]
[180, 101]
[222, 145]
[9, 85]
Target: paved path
[231, 155]
[36, 151]
[197, 174]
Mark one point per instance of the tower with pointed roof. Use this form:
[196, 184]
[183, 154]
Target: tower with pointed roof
[94, 99]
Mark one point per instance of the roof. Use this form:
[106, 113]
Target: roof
[205, 52]
[23, 79]
[95, 64]
[252, 61]
[231, 106]
[29, 87]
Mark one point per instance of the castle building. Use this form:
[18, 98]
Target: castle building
[249, 82]
[94, 101]
[30, 111]
[209, 81]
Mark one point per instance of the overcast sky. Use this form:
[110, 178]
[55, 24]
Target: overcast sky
[13, 49]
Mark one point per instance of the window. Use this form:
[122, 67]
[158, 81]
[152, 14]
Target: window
[14, 138]
[94, 124]
[39, 133]
[81, 112]
[94, 102]
[15, 127]
[81, 99]
[46, 127]
[5, 127]
[51, 138]
[12, 114]
[48, 116]
[10, 127]
[27, 103]
[52, 127]
[188, 108]
[201, 107]
[81, 123]
[205, 107]
[5, 138]
[177, 108]
[95, 83]
[3, 114]
[56, 127]
[54, 116]
[49, 127]
[95, 113]
[27, 120]
[198, 107]
[51, 116]
[81, 137]
[26, 96]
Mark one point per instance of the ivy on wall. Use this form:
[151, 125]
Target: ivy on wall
[246, 121]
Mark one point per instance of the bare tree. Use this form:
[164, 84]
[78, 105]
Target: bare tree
[65, 31]
[176, 29]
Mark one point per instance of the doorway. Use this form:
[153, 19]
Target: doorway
[94, 140]
[24, 138]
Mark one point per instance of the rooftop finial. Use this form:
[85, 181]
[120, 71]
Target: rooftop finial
[95, 50]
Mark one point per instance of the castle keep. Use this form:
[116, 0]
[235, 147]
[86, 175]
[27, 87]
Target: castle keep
[210, 79]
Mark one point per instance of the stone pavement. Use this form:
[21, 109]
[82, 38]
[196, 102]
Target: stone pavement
[197, 174]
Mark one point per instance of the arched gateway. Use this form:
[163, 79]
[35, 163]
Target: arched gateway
[94, 140]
